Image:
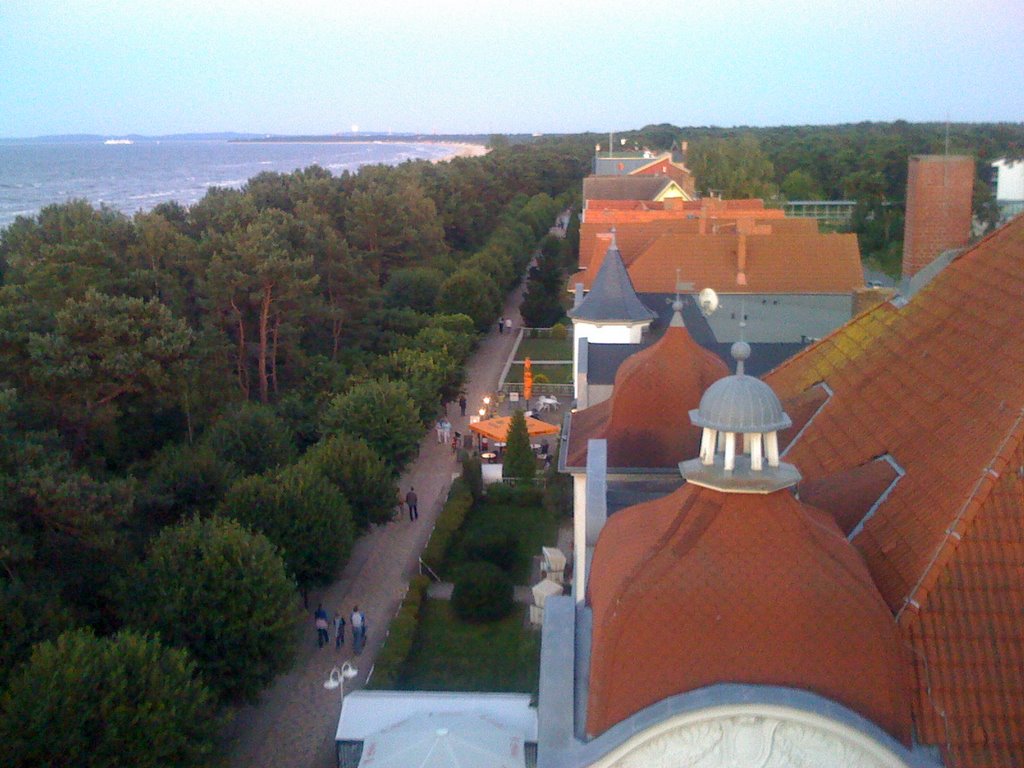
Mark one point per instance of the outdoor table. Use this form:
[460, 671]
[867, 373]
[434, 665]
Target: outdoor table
[488, 456]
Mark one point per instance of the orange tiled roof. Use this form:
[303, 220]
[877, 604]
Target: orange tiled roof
[939, 386]
[703, 587]
[635, 236]
[646, 421]
[774, 263]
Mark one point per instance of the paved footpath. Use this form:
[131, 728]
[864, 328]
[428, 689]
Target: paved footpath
[293, 724]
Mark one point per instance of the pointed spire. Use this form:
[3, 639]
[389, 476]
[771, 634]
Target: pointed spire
[612, 296]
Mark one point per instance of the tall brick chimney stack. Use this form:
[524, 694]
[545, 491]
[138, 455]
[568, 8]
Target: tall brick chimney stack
[939, 191]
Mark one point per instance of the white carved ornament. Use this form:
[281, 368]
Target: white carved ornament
[751, 741]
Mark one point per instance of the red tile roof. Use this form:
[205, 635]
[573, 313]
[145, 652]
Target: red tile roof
[633, 237]
[939, 386]
[703, 587]
[780, 262]
[646, 421]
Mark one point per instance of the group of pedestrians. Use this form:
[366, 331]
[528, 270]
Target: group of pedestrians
[357, 619]
[443, 428]
[504, 324]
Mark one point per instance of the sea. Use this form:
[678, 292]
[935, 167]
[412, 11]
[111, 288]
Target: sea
[138, 176]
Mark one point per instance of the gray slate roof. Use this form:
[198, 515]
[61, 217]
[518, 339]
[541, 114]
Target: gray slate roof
[612, 297]
[624, 187]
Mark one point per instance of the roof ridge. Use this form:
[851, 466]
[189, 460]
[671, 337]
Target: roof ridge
[963, 519]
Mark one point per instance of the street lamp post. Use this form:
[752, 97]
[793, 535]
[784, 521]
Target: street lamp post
[339, 676]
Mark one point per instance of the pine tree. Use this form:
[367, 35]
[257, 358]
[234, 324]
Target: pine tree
[519, 460]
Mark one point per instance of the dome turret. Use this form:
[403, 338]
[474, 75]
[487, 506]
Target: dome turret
[740, 405]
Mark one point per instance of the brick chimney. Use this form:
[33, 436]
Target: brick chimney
[939, 191]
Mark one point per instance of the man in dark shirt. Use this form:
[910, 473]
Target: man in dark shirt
[410, 502]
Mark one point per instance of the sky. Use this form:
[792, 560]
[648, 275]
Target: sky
[518, 66]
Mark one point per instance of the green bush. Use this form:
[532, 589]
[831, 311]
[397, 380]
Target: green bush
[483, 592]
[472, 476]
[448, 522]
[498, 547]
[518, 495]
[401, 635]
[559, 332]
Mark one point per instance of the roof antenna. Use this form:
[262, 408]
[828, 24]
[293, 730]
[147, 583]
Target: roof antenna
[677, 305]
[741, 350]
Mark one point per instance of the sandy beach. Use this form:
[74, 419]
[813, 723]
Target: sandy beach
[459, 150]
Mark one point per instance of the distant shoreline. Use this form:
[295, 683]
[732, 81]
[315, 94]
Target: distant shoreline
[459, 148]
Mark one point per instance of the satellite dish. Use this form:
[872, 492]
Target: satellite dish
[708, 300]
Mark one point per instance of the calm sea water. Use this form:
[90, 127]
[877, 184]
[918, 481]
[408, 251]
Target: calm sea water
[132, 177]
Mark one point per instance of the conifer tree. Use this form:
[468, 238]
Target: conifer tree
[519, 460]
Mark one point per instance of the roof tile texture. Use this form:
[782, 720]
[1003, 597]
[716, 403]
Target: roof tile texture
[786, 261]
[701, 587]
[646, 420]
[939, 385]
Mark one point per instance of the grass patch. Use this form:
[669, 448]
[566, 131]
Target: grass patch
[526, 520]
[557, 374]
[545, 349]
[449, 654]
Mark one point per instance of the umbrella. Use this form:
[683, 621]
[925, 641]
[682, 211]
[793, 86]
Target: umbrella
[527, 379]
[497, 428]
[444, 740]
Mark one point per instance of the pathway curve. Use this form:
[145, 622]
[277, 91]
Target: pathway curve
[293, 724]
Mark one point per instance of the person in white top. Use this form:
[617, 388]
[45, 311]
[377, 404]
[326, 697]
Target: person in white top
[358, 620]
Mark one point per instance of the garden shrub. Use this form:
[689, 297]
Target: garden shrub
[460, 501]
[401, 635]
[483, 592]
[519, 495]
[498, 547]
[559, 332]
[473, 477]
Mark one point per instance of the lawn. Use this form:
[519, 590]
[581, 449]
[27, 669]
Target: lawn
[545, 349]
[451, 655]
[557, 374]
[532, 525]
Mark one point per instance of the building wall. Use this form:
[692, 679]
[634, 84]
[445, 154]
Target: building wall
[600, 334]
[1009, 179]
[939, 190]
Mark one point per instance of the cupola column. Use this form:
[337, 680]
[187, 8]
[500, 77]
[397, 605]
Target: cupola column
[755, 450]
[772, 448]
[730, 451]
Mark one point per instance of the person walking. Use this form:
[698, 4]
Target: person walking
[446, 431]
[462, 403]
[501, 325]
[320, 622]
[358, 620]
[439, 429]
[410, 502]
[339, 630]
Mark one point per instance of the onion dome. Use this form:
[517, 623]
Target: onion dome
[612, 297]
[702, 587]
[654, 391]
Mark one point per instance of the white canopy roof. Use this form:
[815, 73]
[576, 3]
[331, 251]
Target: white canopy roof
[365, 713]
[444, 740]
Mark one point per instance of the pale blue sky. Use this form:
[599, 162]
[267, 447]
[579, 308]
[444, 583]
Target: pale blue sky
[321, 66]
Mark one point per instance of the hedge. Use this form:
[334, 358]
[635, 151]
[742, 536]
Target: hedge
[460, 501]
[400, 637]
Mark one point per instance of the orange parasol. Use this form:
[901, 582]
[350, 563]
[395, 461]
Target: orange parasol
[497, 428]
[527, 379]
